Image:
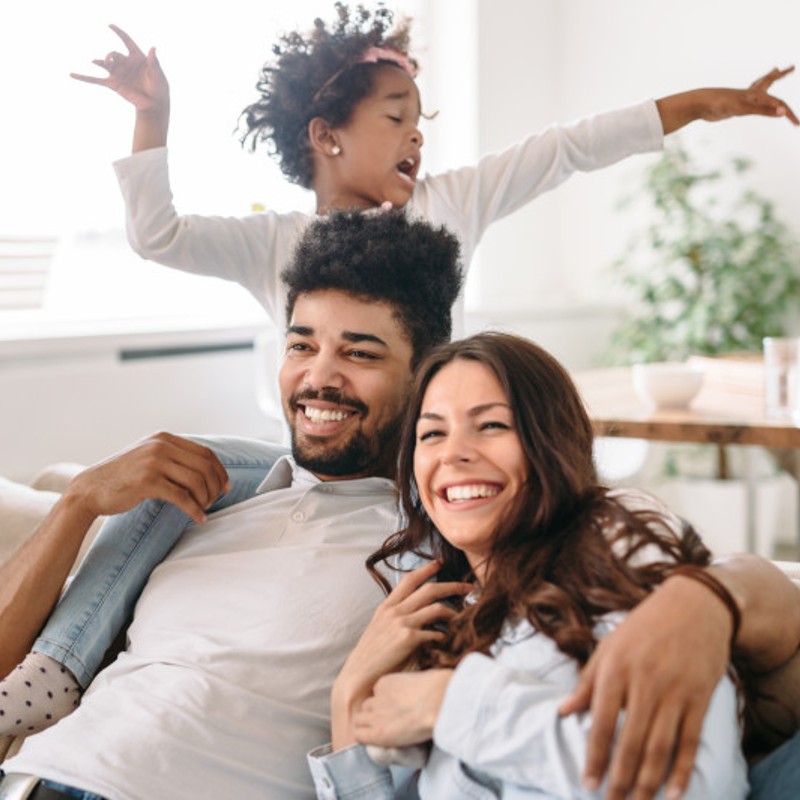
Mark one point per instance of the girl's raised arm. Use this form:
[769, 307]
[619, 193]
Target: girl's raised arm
[713, 105]
[140, 80]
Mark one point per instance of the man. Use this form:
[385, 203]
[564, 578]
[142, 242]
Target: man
[240, 632]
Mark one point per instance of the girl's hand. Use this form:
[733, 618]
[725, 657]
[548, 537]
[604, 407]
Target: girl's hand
[398, 627]
[714, 105]
[403, 709]
[135, 76]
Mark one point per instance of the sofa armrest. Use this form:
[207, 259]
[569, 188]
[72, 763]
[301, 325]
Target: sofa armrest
[23, 507]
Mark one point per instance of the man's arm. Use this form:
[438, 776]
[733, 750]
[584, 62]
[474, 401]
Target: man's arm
[32, 579]
[662, 664]
[162, 466]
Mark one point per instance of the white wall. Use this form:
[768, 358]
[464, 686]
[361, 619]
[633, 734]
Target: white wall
[495, 70]
[543, 61]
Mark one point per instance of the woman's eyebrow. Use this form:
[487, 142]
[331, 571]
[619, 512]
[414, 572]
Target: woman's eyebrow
[475, 411]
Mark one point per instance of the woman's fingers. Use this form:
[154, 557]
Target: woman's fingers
[416, 589]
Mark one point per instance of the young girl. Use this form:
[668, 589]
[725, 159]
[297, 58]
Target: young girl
[339, 109]
[498, 486]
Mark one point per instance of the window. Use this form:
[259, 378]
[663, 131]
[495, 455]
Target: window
[61, 217]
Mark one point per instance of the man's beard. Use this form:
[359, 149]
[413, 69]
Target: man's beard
[361, 454]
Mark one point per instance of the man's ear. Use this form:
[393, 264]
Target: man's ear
[322, 137]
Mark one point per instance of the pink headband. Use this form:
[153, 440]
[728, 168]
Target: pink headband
[374, 54]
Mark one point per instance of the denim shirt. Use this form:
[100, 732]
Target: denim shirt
[499, 734]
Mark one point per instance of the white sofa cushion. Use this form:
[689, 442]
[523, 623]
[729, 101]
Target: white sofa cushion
[23, 507]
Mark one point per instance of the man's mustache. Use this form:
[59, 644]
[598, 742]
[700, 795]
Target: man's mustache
[328, 396]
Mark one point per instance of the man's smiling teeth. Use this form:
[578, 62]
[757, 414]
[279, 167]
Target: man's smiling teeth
[454, 493]
[325, 414]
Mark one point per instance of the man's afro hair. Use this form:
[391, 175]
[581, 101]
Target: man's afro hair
[382, 256]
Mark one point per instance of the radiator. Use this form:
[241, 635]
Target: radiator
[80, 399]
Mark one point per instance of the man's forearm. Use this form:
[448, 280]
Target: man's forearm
[770, 610]
[32, 579]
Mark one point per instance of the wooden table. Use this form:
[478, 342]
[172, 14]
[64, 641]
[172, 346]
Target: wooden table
[714, 417]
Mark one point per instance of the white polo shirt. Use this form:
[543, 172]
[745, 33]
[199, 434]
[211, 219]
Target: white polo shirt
[236, 641]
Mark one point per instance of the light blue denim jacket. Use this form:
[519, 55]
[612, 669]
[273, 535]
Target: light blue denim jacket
[499, 734]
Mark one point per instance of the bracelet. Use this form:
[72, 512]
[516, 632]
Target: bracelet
[701, 575]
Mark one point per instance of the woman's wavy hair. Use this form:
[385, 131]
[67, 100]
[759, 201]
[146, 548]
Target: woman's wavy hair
[566, 551]
[318, 74]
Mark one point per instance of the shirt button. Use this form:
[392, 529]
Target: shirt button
[298, 516]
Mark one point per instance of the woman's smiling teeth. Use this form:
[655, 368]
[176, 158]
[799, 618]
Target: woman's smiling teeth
[325, 414]
[470, 492]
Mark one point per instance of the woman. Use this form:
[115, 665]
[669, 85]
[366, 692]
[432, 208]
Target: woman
[499, 488]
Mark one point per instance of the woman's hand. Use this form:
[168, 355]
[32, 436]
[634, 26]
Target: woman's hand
[403, 708]
[140, 80]
[714, 105]
[398, 627]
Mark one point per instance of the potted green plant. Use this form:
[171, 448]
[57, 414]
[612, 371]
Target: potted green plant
[712, 271]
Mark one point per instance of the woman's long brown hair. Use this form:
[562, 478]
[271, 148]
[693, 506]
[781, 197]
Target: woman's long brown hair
[566, 552]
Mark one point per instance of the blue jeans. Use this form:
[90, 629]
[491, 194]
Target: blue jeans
[101, 597]
[777, 777]
[80, 794]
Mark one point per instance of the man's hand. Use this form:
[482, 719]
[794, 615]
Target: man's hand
[714, 105]
[163, 467]
[660, 667]
[403, 708]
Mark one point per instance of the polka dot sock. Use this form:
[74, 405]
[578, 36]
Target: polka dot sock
[35, 695]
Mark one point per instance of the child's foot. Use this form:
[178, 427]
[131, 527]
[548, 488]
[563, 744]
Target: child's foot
[35, 695]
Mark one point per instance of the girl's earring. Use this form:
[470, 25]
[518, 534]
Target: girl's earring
[335, 150]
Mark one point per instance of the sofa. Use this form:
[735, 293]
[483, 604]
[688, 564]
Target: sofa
[23, 507]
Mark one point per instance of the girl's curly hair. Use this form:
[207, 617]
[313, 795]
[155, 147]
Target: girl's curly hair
[317, 75]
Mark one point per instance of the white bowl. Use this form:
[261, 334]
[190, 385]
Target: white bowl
[667, 384]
